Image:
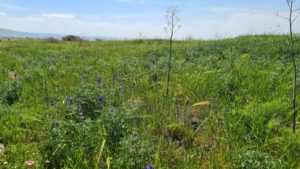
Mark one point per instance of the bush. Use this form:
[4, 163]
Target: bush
[69, 143]
[51, 40]
[88, 102]
[77, 143]
[72, 38]
[10, 93]
[116, 124]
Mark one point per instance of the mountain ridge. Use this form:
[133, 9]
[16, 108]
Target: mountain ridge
[8, 33]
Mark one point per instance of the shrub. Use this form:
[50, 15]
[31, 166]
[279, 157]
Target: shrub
[10, 93]
[72, 38]
[88, 102]
[65, 140]
[116, 123]
[51, 40]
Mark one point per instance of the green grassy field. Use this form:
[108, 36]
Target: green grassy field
[102, 104]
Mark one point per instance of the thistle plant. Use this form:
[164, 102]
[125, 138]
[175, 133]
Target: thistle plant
[172, 21]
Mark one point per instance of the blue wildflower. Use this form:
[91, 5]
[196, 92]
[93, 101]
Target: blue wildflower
[149, 167]
[100, 99]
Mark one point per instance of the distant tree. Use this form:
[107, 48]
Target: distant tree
[189, 38]
[72, 38]
[291, 19]
[172, 26]
[51, 40]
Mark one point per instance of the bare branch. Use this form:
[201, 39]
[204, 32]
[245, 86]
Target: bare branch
[172, 21]
[295, 17]
[282, 16]
[298, 9]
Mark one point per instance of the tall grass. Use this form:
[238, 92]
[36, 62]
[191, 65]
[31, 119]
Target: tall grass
[59, 113]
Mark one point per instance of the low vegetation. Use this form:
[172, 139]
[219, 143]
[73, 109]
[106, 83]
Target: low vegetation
[102, 104]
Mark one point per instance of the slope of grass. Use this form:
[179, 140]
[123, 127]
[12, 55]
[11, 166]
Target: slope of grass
[102, 104]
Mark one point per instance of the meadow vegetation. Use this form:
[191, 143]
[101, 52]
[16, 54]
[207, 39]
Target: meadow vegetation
[102, 104]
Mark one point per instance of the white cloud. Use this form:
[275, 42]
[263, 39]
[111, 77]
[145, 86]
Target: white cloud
[13, 7]
[238, 23]
[71, 25]
[234, 24]
[135, 1]
[58, 16]
[3, 14]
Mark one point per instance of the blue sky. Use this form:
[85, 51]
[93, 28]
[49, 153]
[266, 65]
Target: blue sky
[204, 19]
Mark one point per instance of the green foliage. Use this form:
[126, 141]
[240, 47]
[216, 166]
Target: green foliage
[260, 119]
[67, 141]
[257, 160]
[90, 101]
[116, 123]
[134, 152]
[10, 93]
[102, 104]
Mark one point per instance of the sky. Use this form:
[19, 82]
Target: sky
[201, 19]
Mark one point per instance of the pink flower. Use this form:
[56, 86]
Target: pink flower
[30, 163]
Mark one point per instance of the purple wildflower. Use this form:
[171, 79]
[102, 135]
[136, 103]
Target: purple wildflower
[149, 167]
[100, 99]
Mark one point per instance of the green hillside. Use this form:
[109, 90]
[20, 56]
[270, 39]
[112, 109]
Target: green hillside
[102, 104]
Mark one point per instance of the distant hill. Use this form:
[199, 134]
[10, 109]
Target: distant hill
[6, 33]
